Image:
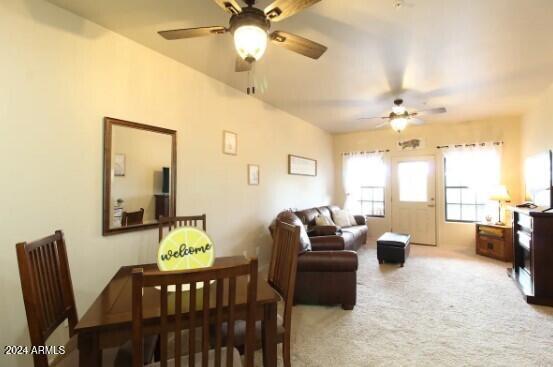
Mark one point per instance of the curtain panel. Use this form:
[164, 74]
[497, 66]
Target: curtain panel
[361, 169]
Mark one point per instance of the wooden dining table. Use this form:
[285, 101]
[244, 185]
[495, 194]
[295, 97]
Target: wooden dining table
[108, 321]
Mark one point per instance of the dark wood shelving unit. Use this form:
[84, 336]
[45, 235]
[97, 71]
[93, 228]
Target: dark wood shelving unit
[532, 269]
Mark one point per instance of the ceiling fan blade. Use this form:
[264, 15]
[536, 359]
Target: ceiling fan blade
[230, 6]
[298, 44]
[375, 118]
[432, 111]
[241, 65]
[177, 34]
[281, 9]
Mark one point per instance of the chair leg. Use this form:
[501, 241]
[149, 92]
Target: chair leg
[286, 350]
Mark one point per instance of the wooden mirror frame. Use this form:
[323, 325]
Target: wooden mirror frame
[108, 126]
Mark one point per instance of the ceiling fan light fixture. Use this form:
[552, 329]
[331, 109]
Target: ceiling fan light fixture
[398, 110]
[398, 124]
[250, 41]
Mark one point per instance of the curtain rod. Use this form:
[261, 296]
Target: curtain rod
[468, 145]
[368, 152]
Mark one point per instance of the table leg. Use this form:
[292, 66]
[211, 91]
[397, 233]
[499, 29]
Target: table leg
[90, 354]
[269, 335]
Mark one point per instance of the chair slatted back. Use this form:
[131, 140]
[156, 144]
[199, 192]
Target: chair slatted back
[47, 289]
[283, 266]
[189, 316]
[132, 218]
[183, 221]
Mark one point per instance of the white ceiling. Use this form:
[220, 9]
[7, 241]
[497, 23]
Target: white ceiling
[476, 57]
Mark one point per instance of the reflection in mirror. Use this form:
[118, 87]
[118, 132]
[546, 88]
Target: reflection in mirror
[140, 175]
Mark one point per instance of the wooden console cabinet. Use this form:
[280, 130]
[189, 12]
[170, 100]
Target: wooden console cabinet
[494, 241]
[532, 269]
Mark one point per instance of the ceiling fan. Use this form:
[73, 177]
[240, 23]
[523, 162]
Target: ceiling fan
[399, 118]
[250, 27]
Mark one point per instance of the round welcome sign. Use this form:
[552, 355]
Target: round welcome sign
[185, 248]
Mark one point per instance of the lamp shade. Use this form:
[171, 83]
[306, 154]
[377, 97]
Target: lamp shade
[500, 193]
[250, 41]
[398, 124]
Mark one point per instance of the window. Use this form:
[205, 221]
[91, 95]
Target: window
[371, 201]
[364, 177]
[469, 176]
[413, 181]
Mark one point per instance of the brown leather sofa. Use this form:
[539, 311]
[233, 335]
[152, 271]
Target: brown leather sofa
[327, 274]
[345, 238]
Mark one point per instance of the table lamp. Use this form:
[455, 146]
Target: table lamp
[500, 194]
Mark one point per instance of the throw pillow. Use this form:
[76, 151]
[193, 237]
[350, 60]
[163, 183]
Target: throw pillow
[352, 221]
[341, 218]
[323, 220]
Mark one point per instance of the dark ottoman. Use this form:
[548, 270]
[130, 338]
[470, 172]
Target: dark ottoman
[393, 247]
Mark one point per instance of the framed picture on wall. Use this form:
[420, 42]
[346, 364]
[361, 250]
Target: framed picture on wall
[301, 166]
[411, 144]
[119, 165]
[253, 174]
[230, 142]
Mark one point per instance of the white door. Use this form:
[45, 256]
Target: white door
[413, 198]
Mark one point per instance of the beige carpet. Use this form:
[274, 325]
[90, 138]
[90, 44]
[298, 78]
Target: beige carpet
[444, 308]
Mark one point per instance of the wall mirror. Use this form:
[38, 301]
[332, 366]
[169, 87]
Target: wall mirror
[140, 182]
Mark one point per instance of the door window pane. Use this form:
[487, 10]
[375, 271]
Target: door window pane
[413, 181]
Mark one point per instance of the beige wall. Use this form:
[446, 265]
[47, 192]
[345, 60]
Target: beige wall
[506, 129]
[60, 76]
[537, 126]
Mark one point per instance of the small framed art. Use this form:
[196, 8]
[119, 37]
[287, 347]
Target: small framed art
[301, 166]
[119, 165]
[230, 142]
[253, 174]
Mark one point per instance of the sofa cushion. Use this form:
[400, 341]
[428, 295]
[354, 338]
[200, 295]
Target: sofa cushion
[349, 240]
[324, 220]
[325, 211]
[352, 220]
[356, 231]
[290, 218]
[333, 209]
[323, 231]
[342, 218]
[360, 219]
[308, 216]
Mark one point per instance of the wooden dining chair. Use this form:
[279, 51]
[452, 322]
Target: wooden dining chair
[282, 277]
[194, 309]
[49, 300]
[183, 221]
[132, 218]
[47, 290]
